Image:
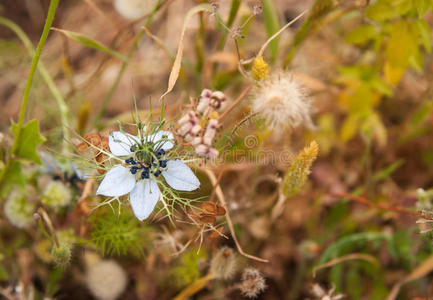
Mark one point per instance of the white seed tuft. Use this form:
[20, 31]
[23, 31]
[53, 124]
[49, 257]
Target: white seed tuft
[282, 102]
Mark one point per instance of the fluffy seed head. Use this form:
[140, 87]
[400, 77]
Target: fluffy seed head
[106, 280]
[134, 9]
[282, 102]
[223, 265]
[18, 210]
[56, 195]
[252, 283]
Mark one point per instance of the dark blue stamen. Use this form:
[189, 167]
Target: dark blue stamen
[157, 173]
[134, 170]
[128, 160]
[145, 174]
[160, 152]
[163, 163]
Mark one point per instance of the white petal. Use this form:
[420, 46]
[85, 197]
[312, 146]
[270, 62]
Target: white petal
[120, 143]
[117, 182]
[180, 177]
[143, 198]
[166, 145]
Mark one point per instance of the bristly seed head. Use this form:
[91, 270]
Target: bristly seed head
[252, 283]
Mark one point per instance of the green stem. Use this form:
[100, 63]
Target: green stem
[116, 82]
[48, 22]
[125, 63]
[64, 111]
[232, 16]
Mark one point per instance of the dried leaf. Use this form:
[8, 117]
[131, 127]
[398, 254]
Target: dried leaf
[422, 270]
[174, 74]
[207, 218]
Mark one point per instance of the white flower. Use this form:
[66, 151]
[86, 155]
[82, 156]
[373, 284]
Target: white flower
[147, 160]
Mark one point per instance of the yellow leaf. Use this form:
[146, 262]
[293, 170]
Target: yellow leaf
[393, 74]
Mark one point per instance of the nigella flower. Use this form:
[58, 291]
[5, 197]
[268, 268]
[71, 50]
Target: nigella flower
[145, 160]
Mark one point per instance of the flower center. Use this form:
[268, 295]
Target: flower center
[146, 160]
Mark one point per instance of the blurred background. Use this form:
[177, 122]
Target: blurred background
[363, 215]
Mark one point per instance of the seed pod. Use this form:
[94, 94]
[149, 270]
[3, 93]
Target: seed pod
[62, 255]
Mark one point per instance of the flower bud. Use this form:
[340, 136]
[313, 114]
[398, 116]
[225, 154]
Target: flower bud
[260, 69]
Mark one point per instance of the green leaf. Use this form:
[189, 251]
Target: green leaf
[401, 45]
[422, 6]
[362, 35]
[4, 274]
[350, 242]
[384, 10]
[422, 114]
[12, 176]
[29, 140]
[89, 42]
[381, 11]
[272, 26]
[385, 173]
[425, 33]
[381, 86]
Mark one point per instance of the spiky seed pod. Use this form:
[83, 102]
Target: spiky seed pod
[224, 263]
[298, 172]
[134, 9]
[18, 210]
[252, 283]
[56, 195]
[260, 69]
[106, 280]
[282, 102]
[62, 255]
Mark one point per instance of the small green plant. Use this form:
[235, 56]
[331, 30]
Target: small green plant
[118, 234]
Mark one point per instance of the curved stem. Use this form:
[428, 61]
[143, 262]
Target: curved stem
[222, 200]
[64, 111]
[48, 22]
[236, 102]
[125, 63]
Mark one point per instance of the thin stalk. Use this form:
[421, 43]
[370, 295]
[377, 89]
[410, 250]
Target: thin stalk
[48, 22]
[194, 287]
[232, 16]
[236, 102]
[125, 63]
[52, 233]
[396, 209]
[64, 111]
